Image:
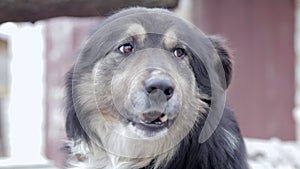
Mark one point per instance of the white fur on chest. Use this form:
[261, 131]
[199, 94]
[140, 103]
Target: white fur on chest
[83, 158]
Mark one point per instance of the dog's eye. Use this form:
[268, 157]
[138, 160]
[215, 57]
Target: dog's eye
[126, 48]
[179, 52]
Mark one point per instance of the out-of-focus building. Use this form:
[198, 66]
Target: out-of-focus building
[4, 68]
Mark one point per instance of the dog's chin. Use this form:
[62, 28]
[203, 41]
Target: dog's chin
[148, 132]
[151, 130]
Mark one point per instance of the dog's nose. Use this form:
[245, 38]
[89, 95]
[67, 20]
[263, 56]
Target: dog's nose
[165, 85]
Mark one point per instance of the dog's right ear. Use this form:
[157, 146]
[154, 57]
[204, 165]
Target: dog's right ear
[225, 56]
[74, 129]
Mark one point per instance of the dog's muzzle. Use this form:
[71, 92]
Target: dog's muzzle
[161, 98]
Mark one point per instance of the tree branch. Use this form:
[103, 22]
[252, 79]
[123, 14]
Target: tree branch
[33, 10]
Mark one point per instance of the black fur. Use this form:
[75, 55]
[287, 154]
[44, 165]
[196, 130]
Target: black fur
[215, 153]
[73, 127]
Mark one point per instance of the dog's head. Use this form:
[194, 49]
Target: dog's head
[144, 78]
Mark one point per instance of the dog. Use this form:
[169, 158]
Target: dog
[148, 92]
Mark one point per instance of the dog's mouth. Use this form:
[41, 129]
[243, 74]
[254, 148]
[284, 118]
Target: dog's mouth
[153, 121]
[154, 118]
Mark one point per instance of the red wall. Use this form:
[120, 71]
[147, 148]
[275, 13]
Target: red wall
[64, 37]
[261, 33]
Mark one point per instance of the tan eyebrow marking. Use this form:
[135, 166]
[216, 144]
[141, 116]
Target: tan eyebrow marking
[138, 31]
[170, 39]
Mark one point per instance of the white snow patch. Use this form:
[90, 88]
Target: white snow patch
[273, 154]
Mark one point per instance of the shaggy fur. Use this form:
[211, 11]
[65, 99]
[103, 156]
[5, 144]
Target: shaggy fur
[109, 106]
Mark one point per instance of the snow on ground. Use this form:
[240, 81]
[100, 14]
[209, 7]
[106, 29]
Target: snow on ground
[273, 154]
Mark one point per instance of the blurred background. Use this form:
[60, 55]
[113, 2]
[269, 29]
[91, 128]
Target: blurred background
[39, 44]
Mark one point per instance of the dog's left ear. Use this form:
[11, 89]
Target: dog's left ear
[225, 57]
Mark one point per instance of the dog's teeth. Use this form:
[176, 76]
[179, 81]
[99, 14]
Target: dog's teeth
[164, 118]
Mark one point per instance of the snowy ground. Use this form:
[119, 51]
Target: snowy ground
[273, 154]
[262, 154]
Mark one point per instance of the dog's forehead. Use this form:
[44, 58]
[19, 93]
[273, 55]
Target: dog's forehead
[121, 27]
[154, 23]
[168, 25]
[138, 21]
[161, 25]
